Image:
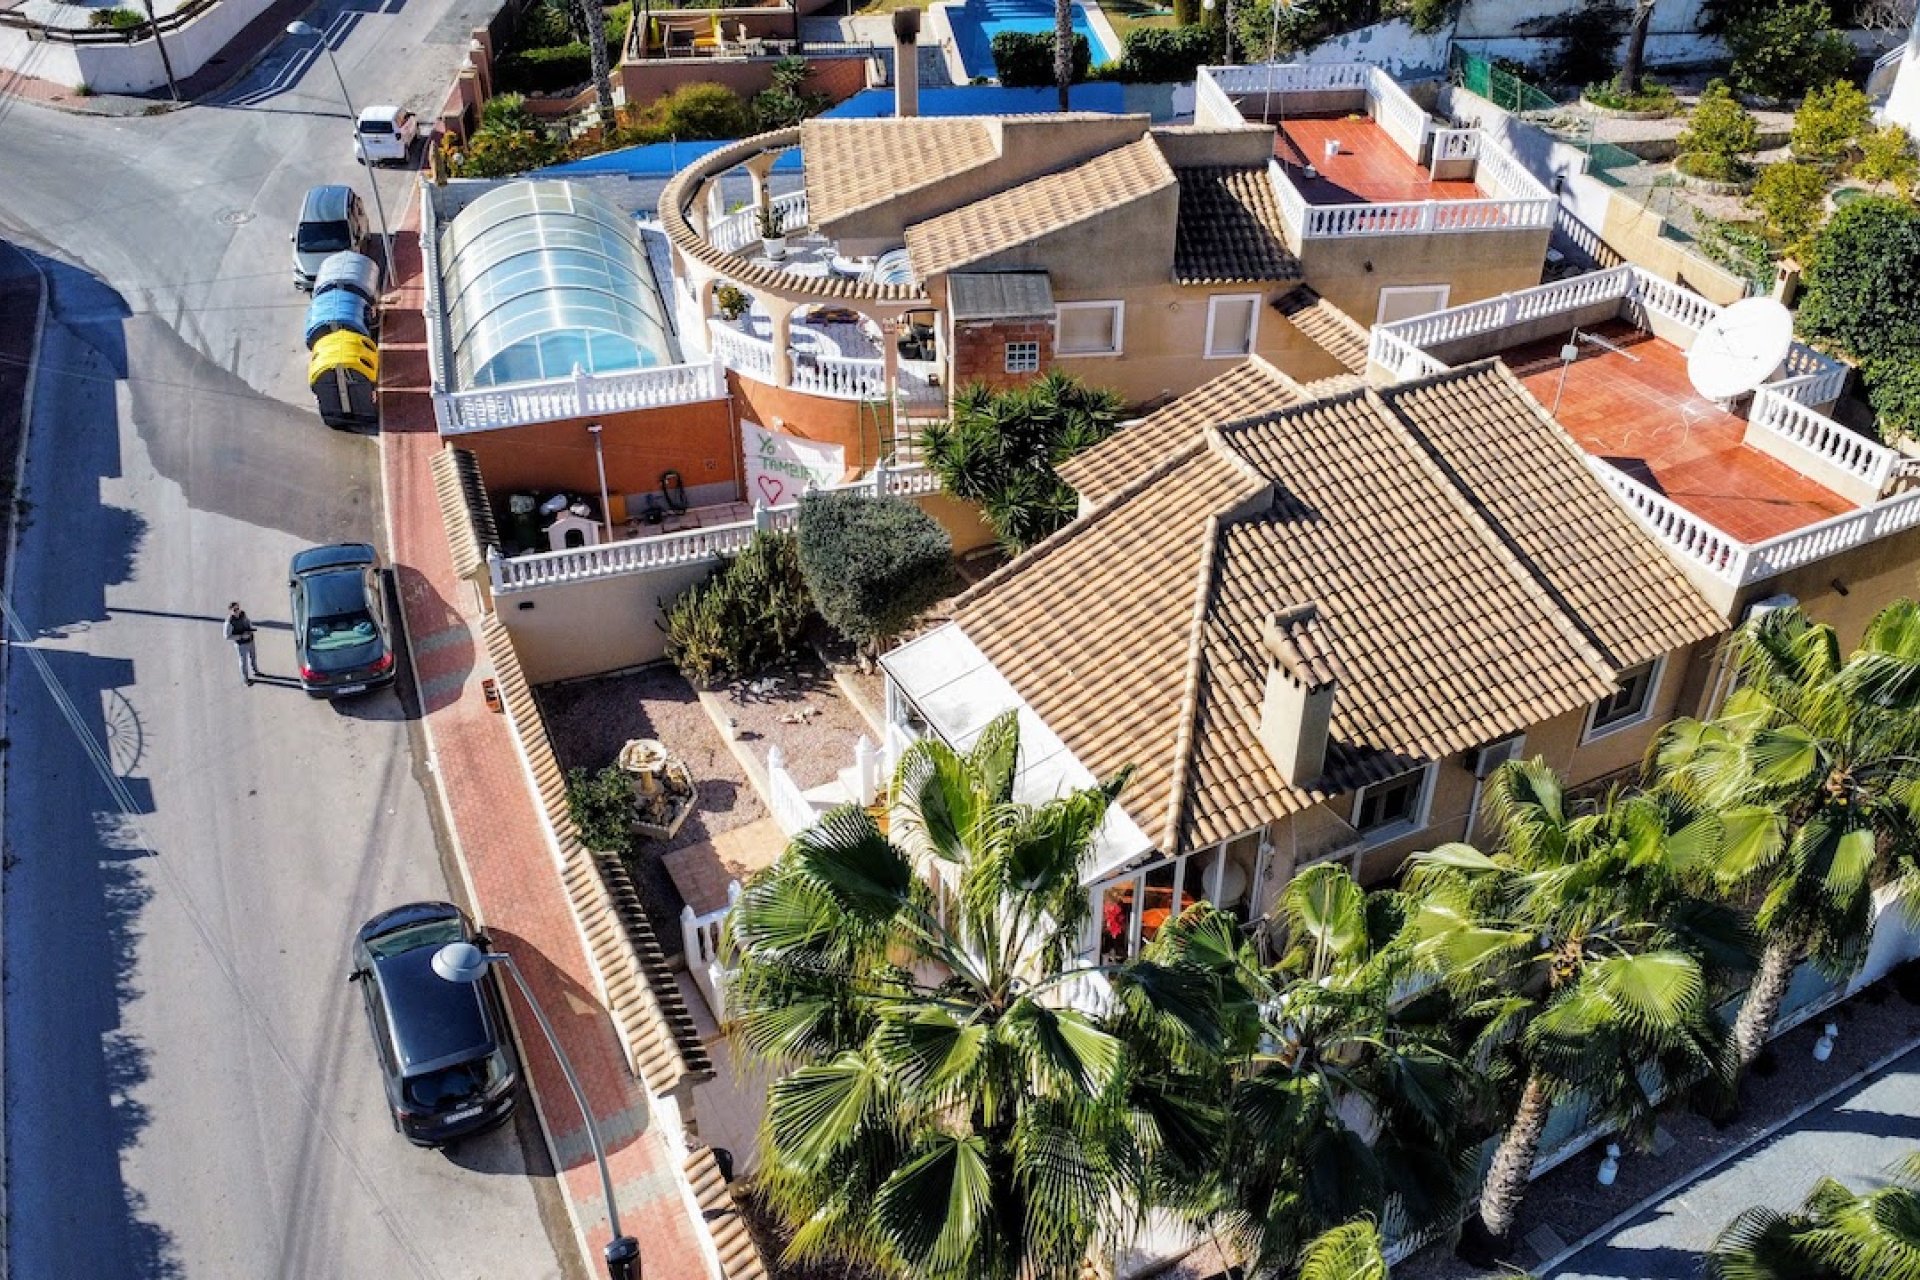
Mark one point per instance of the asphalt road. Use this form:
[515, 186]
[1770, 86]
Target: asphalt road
[1855, 1137]
[189, 1086]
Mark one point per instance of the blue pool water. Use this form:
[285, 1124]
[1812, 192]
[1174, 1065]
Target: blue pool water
[976, 22]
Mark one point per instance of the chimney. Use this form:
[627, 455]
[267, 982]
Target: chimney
[906, 62]
[1298, 705]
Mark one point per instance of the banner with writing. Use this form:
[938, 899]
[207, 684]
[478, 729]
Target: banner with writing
[780, 466]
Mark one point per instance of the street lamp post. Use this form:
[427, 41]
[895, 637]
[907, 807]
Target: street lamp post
[463, 962]
[353, 122]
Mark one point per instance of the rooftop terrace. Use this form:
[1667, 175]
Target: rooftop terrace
[1363, 165]
[1737, 492]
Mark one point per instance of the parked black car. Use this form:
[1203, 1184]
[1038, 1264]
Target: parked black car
[341, 634]
[444, 1049]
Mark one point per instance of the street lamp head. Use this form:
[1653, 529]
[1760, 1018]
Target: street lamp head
[302, 29]
[460, 962]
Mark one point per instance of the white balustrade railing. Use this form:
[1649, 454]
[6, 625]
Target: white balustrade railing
[842, 377]
[1397, 114]
[1455, 144]
[1211, 105]
[703, 940]
[791, 808]
[643, 555]
[1688, 536]
[1425, 217]
[741, 352]
[1490, 315]
[1815, 434]
[741, 228]
[1500, 174]
[1293, 205]
[584, 395]
[435, 303]
[1400, 358]
[1676, 302]
[1811, 377]
[1834, 535]
[1288, 77]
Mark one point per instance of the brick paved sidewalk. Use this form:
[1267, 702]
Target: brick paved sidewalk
[503, 847]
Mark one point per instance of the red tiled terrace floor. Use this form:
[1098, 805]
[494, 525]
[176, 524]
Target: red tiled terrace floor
[1370, 167]
[1639, 412]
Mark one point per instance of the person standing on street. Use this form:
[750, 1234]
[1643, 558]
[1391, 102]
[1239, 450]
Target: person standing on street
[239, 629]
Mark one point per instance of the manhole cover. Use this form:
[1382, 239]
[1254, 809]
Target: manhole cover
[236, 217]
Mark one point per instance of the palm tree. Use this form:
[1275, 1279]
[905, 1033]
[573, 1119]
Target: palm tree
[1578, 968]
[945, 1112]
[596, 20]
[1836, 1235]
[1810, 769]
[1628, 81]
[1351, 1251]
[1339, 1100]
[1063, 49]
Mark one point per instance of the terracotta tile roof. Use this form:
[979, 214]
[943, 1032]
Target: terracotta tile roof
[464, 509]
[1336, 332]
[1033, 209]
[1230, 231]
[856, 164]
[1303, 644]
[1246, 389]
[1532, 483]
[1140, 633]
[739, 1256]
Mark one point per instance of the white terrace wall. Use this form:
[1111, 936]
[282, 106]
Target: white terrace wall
[129, 68]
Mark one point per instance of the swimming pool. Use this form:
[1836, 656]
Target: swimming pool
[976, 22]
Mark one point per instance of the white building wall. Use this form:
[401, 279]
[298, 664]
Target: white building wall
[1903, 103]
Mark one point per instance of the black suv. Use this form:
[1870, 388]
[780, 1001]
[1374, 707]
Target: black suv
[443, 1046]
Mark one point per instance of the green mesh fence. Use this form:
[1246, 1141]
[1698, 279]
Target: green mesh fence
[1502, 88]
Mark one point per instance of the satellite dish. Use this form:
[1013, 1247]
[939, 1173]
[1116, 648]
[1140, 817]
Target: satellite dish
[1740, 348]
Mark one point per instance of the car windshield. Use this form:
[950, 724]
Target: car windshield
[321, 237]
[376, 126]
[450, 1086]
[427, 933]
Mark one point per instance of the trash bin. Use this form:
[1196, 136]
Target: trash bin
[353, 271]
[344, 373]
[338, 311]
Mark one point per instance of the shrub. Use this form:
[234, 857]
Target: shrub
[1793, 199]
[750, 614]
[1830, 120]
[1001, 447]
[692, 112]
[1720, 134]
[601, 805]
[1863, 273]
[118, 19]
[1431, 15]
[501, 153]
[785, 103]
[1024, 59]
[1739, 248]
[1781, 47]
[1886, 155]
[731, 301]
[507, 113]
[546, 70]
[544, 26]
[1651, 97]
[1893, 388]
[872, 564]
[1162, 55]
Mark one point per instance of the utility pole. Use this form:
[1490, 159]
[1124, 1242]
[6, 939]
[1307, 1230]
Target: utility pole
[160, 43]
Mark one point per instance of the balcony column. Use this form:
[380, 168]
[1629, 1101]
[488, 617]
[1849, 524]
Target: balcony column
[891, 330]
[759, 167]
[782, 312]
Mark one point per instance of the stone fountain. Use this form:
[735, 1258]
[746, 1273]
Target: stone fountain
[662, 787]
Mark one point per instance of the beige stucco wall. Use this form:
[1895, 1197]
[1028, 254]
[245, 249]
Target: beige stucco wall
[1350, 272]
[1872, 577]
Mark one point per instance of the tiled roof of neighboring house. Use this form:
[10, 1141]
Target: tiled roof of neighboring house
[1336, 332]
[1532, 481]
[1244, 390]
[1230, 231]
[856, 164]
[1033, 209]
[1141, 633]
[464, 509]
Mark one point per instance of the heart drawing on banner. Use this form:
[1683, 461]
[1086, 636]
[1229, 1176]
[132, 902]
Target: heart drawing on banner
[772, 489]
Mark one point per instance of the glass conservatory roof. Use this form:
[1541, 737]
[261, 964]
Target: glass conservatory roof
[541, 277]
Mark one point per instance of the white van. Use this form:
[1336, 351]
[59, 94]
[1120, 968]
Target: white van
[384, 135]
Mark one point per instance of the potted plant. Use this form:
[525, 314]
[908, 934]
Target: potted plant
[773, 239]
[732, 302]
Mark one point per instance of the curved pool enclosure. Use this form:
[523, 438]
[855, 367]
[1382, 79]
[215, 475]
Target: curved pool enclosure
[540, 278]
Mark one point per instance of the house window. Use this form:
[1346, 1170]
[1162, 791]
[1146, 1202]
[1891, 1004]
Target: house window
[1130, 910]
[1089, 328]
[1023, 357]
[1403, 302]
[1630, 703]
[1233, 321]
[1385, 810]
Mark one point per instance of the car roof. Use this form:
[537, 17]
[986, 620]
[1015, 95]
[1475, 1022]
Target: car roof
[326, 204]
[435, 1023]
[338, 556]
[384, 115]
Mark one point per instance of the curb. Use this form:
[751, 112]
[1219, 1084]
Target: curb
[6, 650]
[1714, 1165]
